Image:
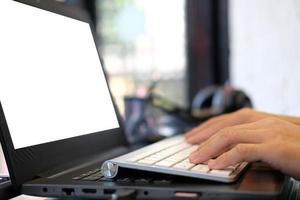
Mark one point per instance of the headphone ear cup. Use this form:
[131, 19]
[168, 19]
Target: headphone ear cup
[203, 99]
[237, 100]
[212, 101]
[219, 101]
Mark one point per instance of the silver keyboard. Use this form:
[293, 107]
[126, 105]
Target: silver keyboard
[171, 156]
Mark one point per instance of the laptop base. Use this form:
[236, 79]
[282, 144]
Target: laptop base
[259, 182]
[6, 189]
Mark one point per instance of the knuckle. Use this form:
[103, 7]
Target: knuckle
[199, 148]
[243, 115]
[273, 133]
[225, 157]
[277, 136]
[271, 121]
[276, 128]
[227, 135]
[242, 149]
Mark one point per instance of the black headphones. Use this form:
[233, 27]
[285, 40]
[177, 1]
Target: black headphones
[216, 100]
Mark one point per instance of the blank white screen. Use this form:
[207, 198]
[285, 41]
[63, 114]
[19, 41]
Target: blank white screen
[52, 85]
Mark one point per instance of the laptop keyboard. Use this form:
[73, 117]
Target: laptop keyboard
[92, 175]
[4, 179]
[175, 155]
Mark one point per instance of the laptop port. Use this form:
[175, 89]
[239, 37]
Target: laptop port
[191, 195]
[109, 191]
[89, 191]
[68, 191]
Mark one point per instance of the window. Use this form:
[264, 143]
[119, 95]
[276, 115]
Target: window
[141, 41]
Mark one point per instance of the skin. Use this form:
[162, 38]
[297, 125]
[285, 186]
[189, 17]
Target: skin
[248, 135]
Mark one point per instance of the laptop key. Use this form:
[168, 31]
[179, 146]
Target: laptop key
[4, 179]
[124, 180]
[142, 181]
[200, 168]
[223, 172]
[91, 175]
[140, 156]
[175, 143]
[147, 161]
[96, 170]
[79, 177]
[164, 163]
[162, 181]
[92, 178]
[186, 164]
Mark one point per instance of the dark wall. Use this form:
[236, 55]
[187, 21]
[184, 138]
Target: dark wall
[207, 44]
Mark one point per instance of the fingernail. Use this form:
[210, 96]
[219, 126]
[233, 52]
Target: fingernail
[212, 163]
[189, 139]
[194, 156]
[192, 140]
[188, 134]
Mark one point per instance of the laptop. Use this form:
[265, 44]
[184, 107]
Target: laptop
[60, 129]
[6, 190]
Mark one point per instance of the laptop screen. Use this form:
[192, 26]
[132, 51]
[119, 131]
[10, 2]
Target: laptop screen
[52, 86]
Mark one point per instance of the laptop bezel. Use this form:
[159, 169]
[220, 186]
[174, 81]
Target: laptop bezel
[25, 164]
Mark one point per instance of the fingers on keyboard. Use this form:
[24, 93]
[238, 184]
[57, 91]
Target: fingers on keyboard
[174, 155]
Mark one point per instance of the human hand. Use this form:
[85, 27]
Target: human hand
[271, 140]
[213, 125]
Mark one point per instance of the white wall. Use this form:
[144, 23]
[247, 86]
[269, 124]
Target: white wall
[265, 52]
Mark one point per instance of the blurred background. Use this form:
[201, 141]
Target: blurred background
[187, 45]
[190, 44]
